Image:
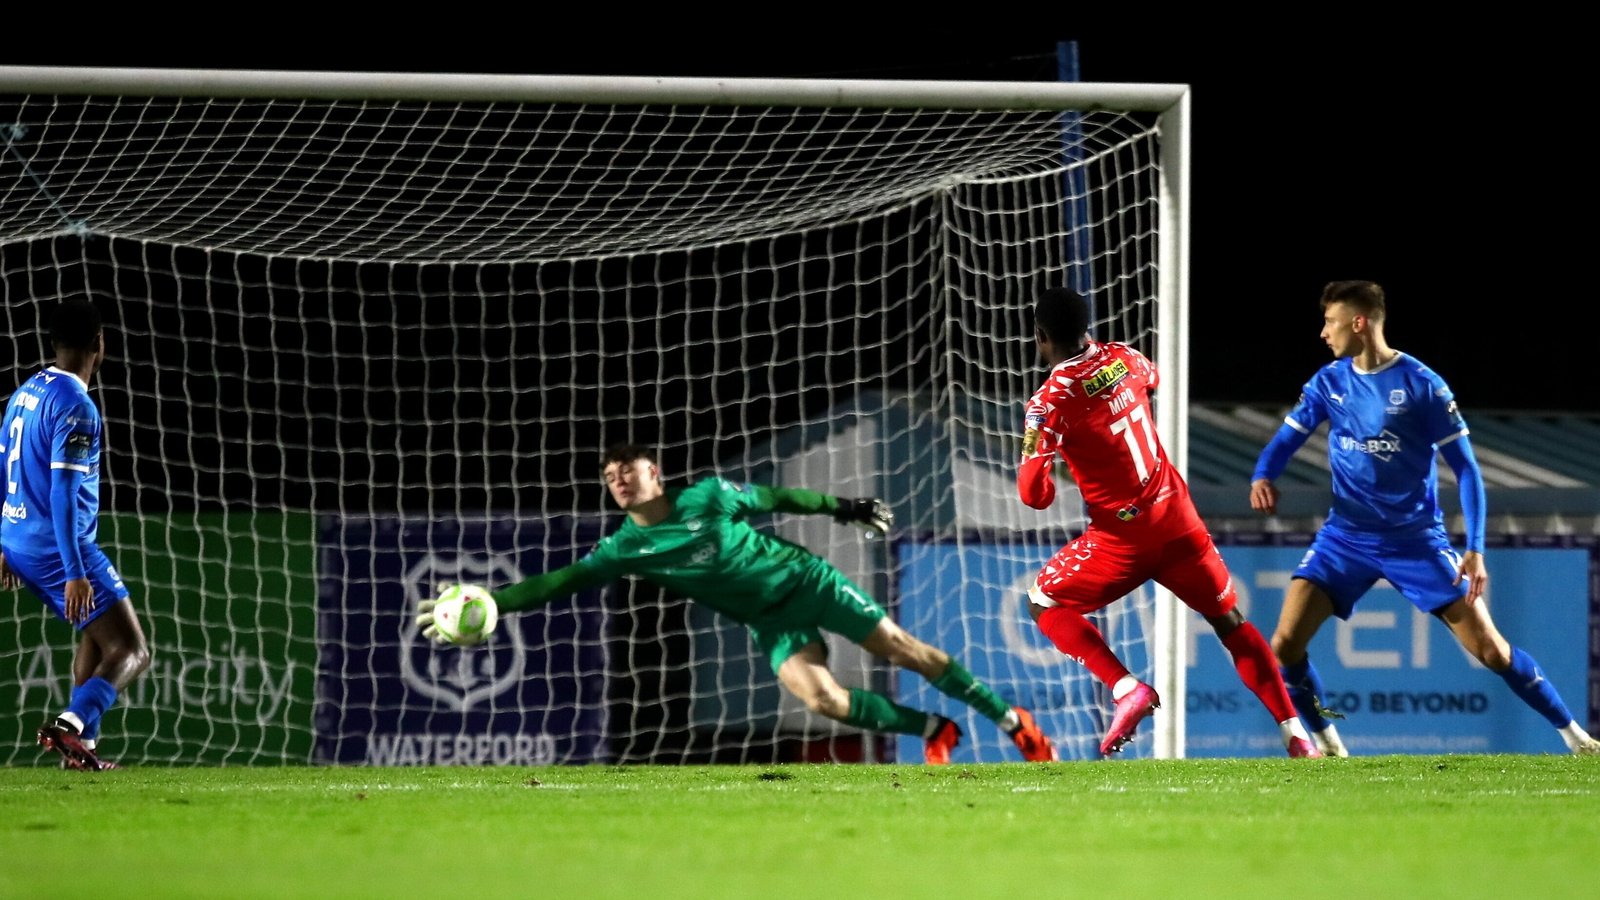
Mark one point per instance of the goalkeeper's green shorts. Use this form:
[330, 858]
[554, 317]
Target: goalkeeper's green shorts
[824, 600]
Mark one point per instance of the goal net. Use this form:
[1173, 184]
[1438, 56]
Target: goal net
[371, 333]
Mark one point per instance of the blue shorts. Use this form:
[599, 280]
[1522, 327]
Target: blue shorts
[46, 578]
[1423, 567]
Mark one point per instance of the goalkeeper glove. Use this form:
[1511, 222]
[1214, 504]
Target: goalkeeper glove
[870, 513]
[425, 622]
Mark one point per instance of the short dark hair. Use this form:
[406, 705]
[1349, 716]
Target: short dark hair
[75, 324]
[626, 453]
[1062, 314]
[1365, 297]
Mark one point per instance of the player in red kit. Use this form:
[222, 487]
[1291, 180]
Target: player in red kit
[1093, 411]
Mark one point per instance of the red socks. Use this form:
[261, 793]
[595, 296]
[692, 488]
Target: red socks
[1077, 637]
[1258, 669]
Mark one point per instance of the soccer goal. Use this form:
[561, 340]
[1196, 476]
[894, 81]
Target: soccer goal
[371, 332]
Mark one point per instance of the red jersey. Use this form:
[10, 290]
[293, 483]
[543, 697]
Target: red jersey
[1093, 411]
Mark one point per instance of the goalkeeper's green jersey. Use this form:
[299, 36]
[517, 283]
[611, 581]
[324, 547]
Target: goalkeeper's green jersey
[704, 550]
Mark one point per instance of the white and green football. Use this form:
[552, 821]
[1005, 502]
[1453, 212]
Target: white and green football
[465, 614]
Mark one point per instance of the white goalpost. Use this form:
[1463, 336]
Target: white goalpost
[370, 332]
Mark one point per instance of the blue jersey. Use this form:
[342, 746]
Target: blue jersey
[1384, 428]
[51, 427]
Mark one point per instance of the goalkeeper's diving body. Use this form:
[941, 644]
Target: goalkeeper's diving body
[696, 542]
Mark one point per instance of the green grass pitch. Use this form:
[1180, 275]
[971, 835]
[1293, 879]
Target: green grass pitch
[1502, 827]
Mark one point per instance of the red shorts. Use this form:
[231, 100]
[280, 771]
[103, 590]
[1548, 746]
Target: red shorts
[1104, 565]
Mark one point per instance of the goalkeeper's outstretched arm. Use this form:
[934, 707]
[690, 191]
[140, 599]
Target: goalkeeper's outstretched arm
[535, 592]
[524, 595]
[867, 512]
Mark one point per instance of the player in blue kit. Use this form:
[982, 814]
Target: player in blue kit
[51, 444]
[1387, 413]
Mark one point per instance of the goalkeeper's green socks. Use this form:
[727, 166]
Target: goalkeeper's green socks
[875, 712]
[956, 682]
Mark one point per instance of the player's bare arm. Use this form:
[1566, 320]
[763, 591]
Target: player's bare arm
[1474, 573]
[1270, 464]
[1264, 496]
[1457, 452]
[8, 579]
[80, 600]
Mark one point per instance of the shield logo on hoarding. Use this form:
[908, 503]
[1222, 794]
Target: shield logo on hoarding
[459, 677]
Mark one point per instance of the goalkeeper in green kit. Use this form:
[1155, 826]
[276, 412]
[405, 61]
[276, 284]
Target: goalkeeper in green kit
[695, 542]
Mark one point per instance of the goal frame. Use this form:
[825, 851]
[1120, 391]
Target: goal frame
[1172, 103]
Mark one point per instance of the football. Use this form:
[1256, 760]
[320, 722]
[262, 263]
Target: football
[465, 614]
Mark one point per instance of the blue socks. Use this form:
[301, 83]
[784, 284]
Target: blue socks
[90, 701]
[1527, 681]
[1305, 691]
[1524, 677]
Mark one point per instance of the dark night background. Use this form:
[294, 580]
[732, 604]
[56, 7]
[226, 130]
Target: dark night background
[1443, 162]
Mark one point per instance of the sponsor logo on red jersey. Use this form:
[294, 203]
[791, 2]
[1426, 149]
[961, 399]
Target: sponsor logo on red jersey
[1107, 376]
